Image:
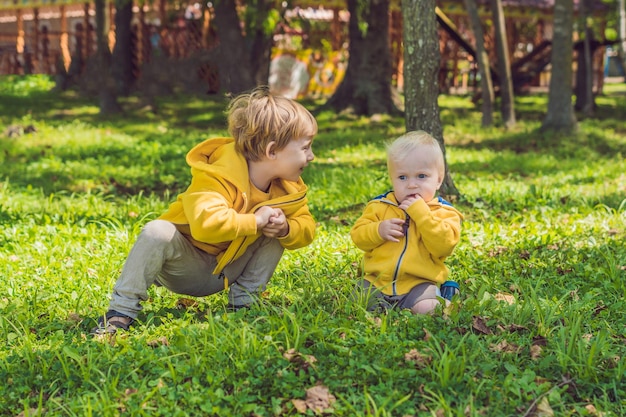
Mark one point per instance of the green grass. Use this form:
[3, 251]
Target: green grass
[540, 329]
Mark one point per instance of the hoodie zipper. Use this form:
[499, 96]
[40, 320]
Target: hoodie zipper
[401, 257]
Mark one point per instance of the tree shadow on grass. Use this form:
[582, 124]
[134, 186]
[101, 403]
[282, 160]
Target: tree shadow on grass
[574, 144]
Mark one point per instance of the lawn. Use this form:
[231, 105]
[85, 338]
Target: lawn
[540, 328]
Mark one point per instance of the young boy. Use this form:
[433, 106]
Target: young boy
[246, 203]
[407, 233]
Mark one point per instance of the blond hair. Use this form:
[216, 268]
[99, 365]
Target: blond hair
[400, 147]
[257, 118]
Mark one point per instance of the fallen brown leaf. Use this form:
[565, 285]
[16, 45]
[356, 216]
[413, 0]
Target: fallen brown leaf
[420, 360]
[75, 317]
[535, 352]
[302, 362]
[300, 405]
[319, 399]
[591, 409]
[507, 298]
[184, 303]
[504, 347]
[161, 341]
[478, 324]
[497, 251]
[544, 409]
[516, 328]
[427, 335]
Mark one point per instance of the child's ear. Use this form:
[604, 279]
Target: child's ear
[440, 183]
[270, 151]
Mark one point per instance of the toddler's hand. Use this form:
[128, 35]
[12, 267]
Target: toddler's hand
[277, 225]
[404, 205]
[391, 229]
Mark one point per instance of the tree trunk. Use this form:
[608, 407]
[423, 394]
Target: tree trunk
[235, 71]
[622, 34]
[507, 107]
[584, 70]
[106, 83]
[366, 87]
[262, 42]
[560, 115]
[122, 64]
[484, 70]
[421, 68]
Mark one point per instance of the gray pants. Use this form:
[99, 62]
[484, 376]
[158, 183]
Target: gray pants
[375, 299]
[162, 254]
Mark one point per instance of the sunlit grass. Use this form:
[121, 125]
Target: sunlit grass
[541, 262]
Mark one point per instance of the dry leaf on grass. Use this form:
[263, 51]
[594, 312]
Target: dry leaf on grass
[319, 399]
[540, 341]
[427, 335]
[507, 298]
[504, 347]
[535, 352]
[161, 341]
[74, 317]
[420, 360]
[544, 409]
[300, 405]
[302, 362]
[497, 251]
[478, 324]
[185, 303]
[591, 409]
[511, 328]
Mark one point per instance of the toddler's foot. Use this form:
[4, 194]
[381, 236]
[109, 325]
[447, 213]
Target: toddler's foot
[449, 289]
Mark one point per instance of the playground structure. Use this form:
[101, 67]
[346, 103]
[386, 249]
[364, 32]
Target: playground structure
[310, 53]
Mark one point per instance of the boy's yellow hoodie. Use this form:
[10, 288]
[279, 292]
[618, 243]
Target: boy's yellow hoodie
[213, 212]
[432, 231]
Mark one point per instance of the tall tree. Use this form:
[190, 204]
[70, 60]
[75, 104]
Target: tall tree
[621, 11]
[366, 87]
[585, 102]
[482, 58]
[233, 60]
[560, 115]
[122, 57]
[507, 107]
[260, 20]
[105, 82]
[421, 68]
[246, 39]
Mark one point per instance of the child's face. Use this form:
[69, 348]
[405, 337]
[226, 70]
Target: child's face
[292, 159]
[416, 173]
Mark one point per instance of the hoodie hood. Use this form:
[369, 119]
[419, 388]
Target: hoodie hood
[217, 157]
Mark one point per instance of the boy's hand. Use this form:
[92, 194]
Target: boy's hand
[404, 205]
[263, 216]
[391, 229]
[276, 225]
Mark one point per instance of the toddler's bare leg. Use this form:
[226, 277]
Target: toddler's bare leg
[426, 306]
[423, 299]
